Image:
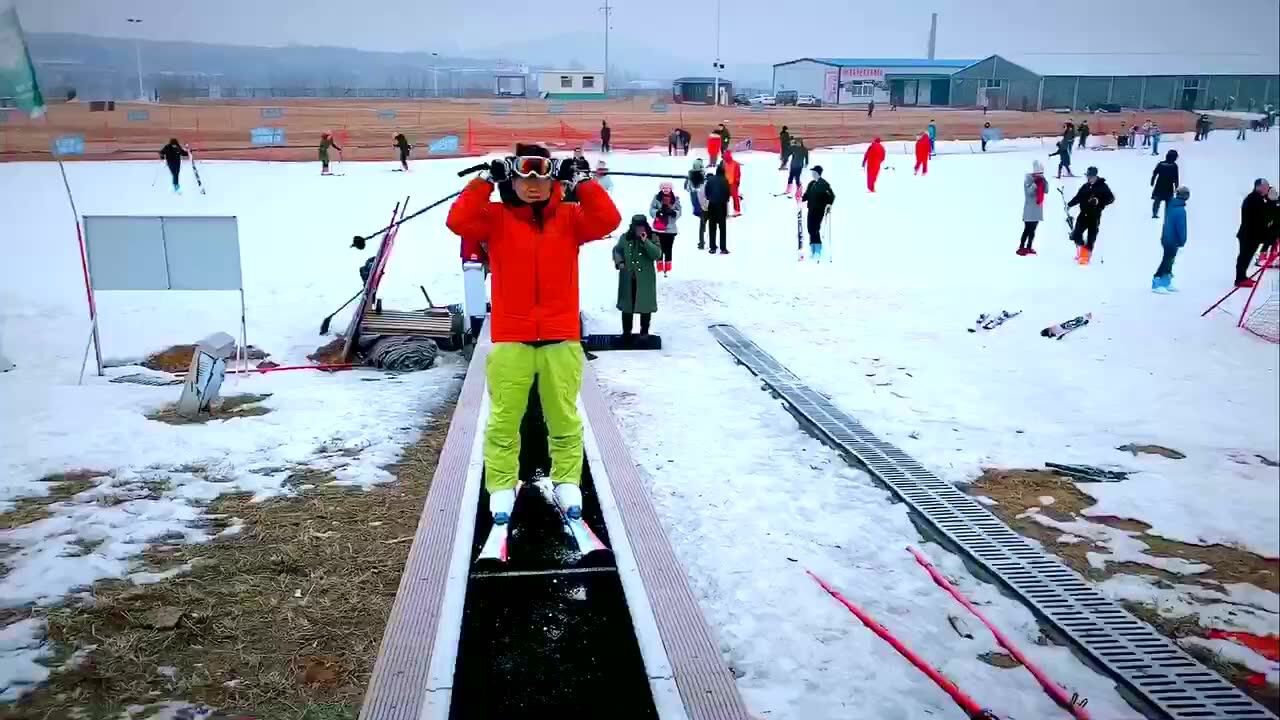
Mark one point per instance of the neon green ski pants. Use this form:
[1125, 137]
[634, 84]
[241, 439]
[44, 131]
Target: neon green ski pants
[510, 370]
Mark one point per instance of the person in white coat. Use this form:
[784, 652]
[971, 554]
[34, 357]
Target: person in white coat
[665, 211]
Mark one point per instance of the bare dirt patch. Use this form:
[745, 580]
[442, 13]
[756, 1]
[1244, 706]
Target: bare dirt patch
[233, 406]
[61, 487]
[176, 359]
[282, 620]
[330, 353]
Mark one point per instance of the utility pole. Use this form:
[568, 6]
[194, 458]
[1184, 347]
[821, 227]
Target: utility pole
[715, 99]
[435, 76]
[607, 9]
[137, 53]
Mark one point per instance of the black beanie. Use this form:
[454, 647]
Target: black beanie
[531, 150]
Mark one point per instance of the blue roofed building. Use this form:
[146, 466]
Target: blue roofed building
[858, 81]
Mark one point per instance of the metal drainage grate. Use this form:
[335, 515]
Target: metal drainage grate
[1137, 656]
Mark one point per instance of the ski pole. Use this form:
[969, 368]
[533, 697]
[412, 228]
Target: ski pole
[398, 223]
[1050, 688]
[155, 174]
[324, 324]
[966, 703]
[641, 174]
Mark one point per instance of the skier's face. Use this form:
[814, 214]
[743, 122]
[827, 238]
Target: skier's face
[532, 189]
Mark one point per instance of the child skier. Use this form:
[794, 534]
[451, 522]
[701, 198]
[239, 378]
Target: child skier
[1155, 138]
[695, 185]
[987, 135]
[634, 258]
[665, 211]
[402, 144]
[326, 142]
[173, 153]
[820, 197]
[784, 142]
[1034, 187]
[1064, 156]
[1093, 197]
[1172, 237]
[533, 239]
[1164, 178]
[799, 160]
[923, 147]
[872, 161]
[933, 136]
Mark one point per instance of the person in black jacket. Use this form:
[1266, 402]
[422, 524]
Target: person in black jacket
[1273, 229]
[1164, 179]
[173, 154]
[717, 210]
[723, 132]
[581, 171]
[784, 142]
[402, 144]
[819, 197]
[606, 135]
[1083, 131]
[1092, 198]
[799, 159]
[685, 138]
[1255, 221]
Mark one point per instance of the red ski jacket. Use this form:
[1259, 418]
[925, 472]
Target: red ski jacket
[874, 156]
[922, 146]
[534, 266]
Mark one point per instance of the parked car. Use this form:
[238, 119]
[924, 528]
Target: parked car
[741, 99]
[786, 97]
[808, 101]
[762, 100]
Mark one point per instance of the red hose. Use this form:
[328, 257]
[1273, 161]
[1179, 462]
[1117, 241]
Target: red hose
[331, 366]
[966, 703]
[1052, 689]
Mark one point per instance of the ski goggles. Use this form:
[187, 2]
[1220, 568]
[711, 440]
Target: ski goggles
[531, 166]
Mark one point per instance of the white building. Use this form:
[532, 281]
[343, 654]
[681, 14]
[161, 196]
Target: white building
[571, 84]
[858, 81]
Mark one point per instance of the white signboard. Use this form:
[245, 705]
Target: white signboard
[861, 85]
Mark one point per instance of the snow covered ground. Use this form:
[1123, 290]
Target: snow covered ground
[749, 500]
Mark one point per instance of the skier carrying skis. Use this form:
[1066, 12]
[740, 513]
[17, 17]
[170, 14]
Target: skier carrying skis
[326, 142]
[923, 148]
[820, 197]
[1172, 237]
[933, 135]
[402, 144]
[733, 173]
[799, 160]
[665, 211]
[1093, 197]
[695, 185]
[634, 257]
[784, 142]
[533, 239]
[872, 160]
[1064, 156]
[606, 136]
[1034, 187]
[1255, 219]
[1164, 178]
[173, 153]
[716, 190]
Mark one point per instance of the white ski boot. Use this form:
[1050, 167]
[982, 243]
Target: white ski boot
[501, 503]
[569, 500]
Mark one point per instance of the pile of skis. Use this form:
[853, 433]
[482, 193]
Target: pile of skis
[991, 321]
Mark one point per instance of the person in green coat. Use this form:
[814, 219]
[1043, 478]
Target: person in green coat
[326, 142]
[634, 256]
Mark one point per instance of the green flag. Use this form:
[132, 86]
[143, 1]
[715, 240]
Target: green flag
[17, 74]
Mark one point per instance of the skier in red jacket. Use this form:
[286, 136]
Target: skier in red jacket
[872, 161]
[923, 147]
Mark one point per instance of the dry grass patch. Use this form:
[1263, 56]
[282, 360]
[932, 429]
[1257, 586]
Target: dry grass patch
[61, 487]
[281, 621]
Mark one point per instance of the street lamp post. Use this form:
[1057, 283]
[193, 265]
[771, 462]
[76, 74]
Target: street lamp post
[715, 100]
[435, 76]
[137, 53]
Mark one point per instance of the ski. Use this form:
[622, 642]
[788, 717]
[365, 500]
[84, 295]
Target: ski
[1066, 212]
[799, 231]
[991, 322]
[195, 170]
[590, 548]
[1057, 332]
[495, 551]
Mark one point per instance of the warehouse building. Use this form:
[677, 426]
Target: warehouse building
[858, 81]
[1139, 81]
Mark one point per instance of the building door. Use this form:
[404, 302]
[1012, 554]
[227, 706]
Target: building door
[910, 92]
[939, 92]
[1189, 98]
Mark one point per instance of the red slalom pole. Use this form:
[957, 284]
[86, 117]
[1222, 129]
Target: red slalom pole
[1052, 689]
[966, 703]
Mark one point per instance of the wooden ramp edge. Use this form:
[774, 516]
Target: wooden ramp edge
[399, 683]
[705, 684]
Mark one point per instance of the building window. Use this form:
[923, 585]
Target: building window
[1191, 83]
[992, 83]
[860, 89]
[566, 81]
[588, 81]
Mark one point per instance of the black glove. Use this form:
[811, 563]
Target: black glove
[565, 170]
[498, 170]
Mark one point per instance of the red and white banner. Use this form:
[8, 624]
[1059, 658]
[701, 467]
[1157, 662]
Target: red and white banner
[861, 73]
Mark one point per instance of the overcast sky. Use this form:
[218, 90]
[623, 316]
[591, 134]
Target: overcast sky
[752, 31]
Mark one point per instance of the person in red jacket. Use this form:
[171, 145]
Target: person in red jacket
[533, 238]
[923, 147]
[713, 147]
[872, 160]
[733, 174]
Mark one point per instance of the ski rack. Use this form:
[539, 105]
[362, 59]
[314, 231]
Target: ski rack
[1155, 669]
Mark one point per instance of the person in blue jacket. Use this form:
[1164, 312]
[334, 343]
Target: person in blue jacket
[933, 137]
[1172, 237]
